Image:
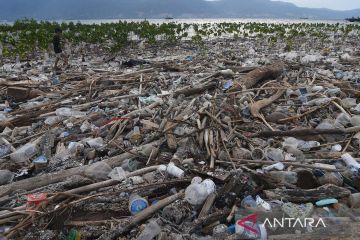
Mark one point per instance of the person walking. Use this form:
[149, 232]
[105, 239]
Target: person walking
[60, 55]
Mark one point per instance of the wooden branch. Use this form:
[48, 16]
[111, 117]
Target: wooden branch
[194, 90]
[306, 132]
[51, 178]
[311, 195]
[207, 205]
[140, 217]
[252, 78]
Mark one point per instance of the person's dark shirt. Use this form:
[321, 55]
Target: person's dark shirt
[56, 43]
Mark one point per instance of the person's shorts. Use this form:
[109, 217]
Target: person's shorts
[61, 55]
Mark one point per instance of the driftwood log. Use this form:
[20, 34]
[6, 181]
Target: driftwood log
[195, 90]
[306, 132]
[252, 78]
[51, 178]
[311, 195]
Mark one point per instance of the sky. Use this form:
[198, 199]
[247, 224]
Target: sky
[332, 4]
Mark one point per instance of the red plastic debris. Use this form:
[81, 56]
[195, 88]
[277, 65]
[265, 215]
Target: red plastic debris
[36, 198]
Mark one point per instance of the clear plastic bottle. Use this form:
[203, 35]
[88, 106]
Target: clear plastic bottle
[152, 229]
[69, 112]
[25, 153]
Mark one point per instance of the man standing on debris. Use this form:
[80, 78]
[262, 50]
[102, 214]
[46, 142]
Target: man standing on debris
[60, 55]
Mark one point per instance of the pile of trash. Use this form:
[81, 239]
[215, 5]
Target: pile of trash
[179, 145]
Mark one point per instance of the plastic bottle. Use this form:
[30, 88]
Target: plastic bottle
[278, 166]
[95, 142]
[248, 202]
[307, 146]
[52, 120]
[68, 112]
[25, 153]
[274, 154]
[5, 150]
[263, 204]
[137, 204]
[351, 162]
[152, 229]
[136, 137]
[342, 120]
[55, 80]
[175, 171]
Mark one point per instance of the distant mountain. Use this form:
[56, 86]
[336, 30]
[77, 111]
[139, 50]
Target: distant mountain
[107, 9]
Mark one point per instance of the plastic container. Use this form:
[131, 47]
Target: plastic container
[196, 194]
[117, 174]
[220, 231]
[152, 229]
[175, 171]
[248, 202]
[40, 163]
[209, 185]
[55, 80]
[257, 154]
[251, 231]
[137, 204]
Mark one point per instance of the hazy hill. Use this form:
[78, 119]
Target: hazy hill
[101, 9]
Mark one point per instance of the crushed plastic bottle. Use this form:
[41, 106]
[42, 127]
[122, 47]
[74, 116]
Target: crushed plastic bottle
[69, 112]
[278, 166]
[307, 146]
[152, 229]
[342, 120]
[274, 154]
